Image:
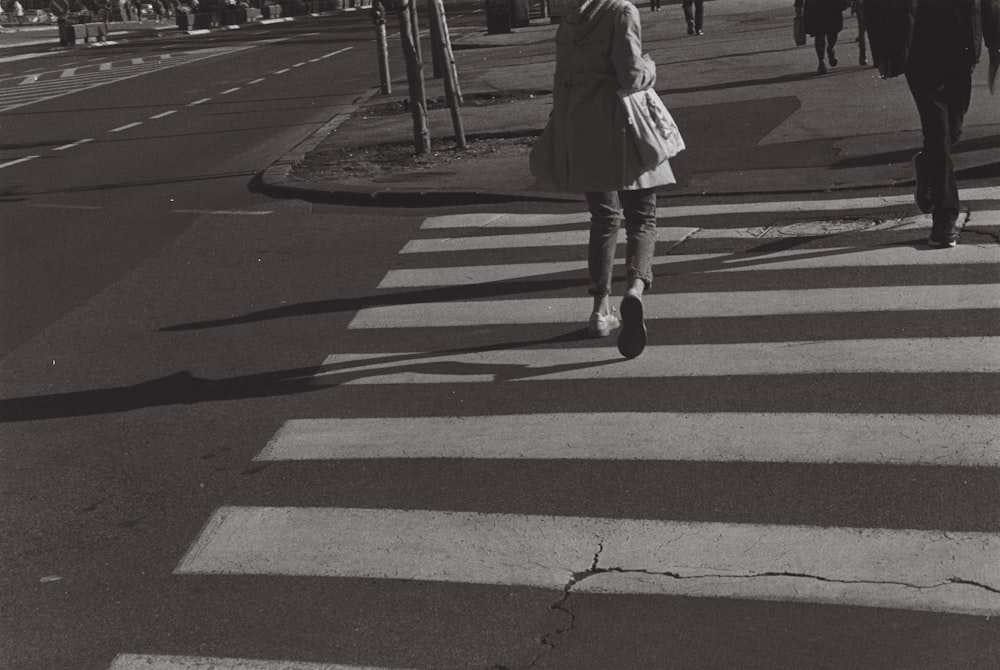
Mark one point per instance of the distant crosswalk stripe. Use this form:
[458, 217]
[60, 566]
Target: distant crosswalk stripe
[687, 305]
[511, 220]
[900, 569]
[799, 259]
[758, 437]
[565, 238]
[917, 355]
[161, 662]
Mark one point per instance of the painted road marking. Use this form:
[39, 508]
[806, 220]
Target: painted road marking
[688, 306]
[162, 662]
[797, 259]
[574, 238]
[287, 69]
[230, 90]
[163, 114]
[884, 439]
[198, 102]
[57, 206]
[670, 233]
[255, 81]
[73, 144]
[884, 356]
[125, 127]
[222, 212]
[18, 160]
[874, 567]
[508, 220]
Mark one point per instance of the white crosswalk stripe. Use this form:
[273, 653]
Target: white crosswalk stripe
[689, 306]
[906, 569]
[945, 570]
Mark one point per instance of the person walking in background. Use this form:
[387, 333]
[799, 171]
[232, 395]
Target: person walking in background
[824, 19]
[694, 15]
[936, 45]
[19, 12]
[586, 148]
[857, 9]
[655, 5]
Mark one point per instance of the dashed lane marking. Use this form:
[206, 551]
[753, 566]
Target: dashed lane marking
[163, 662]
[71, 145]
[18, 160]
[125, 127]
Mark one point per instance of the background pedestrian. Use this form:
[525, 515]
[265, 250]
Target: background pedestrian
[586, 148]
[857, 10]
[936, 45]
[824, 19]
[694, 15]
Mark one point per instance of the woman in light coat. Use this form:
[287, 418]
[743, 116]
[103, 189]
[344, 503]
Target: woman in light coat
[585, 148]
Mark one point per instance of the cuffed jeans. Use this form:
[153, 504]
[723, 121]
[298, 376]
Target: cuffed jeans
[942, 97]
[607, 210]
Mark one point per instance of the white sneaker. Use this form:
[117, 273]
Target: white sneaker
[601, 325]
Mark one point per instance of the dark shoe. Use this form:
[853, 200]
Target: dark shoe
[943, 235]
[863, 59]
[699, 32]
[833, 58]
[822, 68]
[690, 28]
[632, 337]
[922, 193]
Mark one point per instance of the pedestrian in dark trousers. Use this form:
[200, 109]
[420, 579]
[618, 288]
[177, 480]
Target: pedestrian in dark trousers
[824, 19]
[694, 16]
[655, 5]
[857, 9]
[936, 45]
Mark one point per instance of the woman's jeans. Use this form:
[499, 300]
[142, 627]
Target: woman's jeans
[607, 210]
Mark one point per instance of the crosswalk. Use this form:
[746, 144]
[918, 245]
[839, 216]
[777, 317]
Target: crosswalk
[946, 570]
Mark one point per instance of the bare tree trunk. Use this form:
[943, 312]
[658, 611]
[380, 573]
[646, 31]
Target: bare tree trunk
[414, 76]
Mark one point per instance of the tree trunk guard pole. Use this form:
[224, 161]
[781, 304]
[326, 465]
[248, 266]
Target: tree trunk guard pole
[449, 55]
[382, 42]
[436, 51]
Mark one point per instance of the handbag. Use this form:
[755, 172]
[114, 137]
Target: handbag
[799, 30]
[651, 127]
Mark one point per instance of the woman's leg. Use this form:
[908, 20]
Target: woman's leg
[640, 229]
[831, 43]
[605, 219]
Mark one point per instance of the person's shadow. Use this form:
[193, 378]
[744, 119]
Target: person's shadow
[182, 388]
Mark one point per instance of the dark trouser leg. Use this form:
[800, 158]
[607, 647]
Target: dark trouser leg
[820, 47]
[699, 14]
[942, 99]
[689, 14]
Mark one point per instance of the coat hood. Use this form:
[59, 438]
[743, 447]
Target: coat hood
[582, 15]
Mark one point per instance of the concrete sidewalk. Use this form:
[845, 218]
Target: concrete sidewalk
[755, 116]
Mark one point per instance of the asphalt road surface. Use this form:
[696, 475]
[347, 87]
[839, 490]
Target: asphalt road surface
[251, 434]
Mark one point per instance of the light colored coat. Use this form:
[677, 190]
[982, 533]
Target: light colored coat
[585, 146]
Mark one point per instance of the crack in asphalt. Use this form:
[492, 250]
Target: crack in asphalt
[548, 641]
